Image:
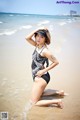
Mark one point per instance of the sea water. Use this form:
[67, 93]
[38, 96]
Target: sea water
[10, 23]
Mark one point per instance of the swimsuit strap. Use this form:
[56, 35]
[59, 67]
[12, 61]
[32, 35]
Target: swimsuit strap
[42, 50]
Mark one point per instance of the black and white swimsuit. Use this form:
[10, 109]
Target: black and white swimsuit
[38, 63]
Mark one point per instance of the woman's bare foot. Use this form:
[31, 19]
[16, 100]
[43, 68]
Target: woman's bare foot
[60, 104]
[61, 93]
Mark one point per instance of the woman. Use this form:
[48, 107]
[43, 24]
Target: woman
[40, 73]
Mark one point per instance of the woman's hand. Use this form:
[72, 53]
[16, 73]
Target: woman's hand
[44, 28]
[40, 73]
[41, 28]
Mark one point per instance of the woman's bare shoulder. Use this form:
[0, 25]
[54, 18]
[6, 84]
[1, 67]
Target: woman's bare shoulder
[46, 52]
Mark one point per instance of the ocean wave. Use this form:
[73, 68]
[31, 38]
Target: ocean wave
[62, 23]
[8, 32]
[1, 22]
[25, 27]
[11, 15]
[70, 21]
[43, 22]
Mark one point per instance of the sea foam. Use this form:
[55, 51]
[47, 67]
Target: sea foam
[25, 27]
[62, 23]
[11, 15]
[8, 32]
[43, 22]
[1, 22]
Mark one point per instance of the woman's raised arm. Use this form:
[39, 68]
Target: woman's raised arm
[29, 38]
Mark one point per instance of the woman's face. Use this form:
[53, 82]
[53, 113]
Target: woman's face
[40, 40]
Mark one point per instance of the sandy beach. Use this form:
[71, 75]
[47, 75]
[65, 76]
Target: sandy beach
[15, 71]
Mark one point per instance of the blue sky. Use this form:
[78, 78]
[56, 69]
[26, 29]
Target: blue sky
[46, 7]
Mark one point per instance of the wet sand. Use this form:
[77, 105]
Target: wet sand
[16, 80]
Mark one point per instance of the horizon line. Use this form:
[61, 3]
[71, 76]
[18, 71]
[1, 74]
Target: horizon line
[38, 14]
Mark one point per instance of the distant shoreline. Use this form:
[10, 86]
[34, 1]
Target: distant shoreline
[37, 14]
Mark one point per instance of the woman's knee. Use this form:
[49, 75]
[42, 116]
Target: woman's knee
[33, 102]
[37, 90]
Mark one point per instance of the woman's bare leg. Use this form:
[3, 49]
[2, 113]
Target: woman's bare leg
[38, 88]
[53, 92]
[58, 102]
